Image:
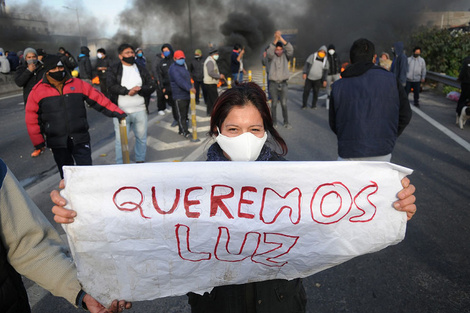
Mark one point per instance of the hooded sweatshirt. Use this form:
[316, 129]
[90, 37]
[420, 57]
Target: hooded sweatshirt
[4, 63]
[400, 63]
[84, 64]
[315, 67]
[164, 66]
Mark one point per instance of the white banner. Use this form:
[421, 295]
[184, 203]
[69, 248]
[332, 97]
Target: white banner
[146, 231]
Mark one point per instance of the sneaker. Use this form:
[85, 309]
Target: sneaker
[161, 112]
[287, 125]
[303, 107]
[187, 135]
[174, 124]
[38, 152]
[314, 107]
[168, 110]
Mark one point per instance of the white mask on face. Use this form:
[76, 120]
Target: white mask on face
[99, 55]
[331, 51]
[244, 147]
[216, 57]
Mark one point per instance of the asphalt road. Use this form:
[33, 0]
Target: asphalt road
[427, 272]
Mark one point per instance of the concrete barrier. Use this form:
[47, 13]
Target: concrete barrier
[7, 84]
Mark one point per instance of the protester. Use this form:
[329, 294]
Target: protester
[314, 73]
[130, 86]
[241, 122]
[369, 108]
[416, 74]
[279, 53]
[102, 65]
[265, 63]
[334, 70]
[181, 87]
[4, 63]
[67, 59]
[236, 63]
[385, 61]
[196, 68]
[463, 107]
[399, 65]
[30, 246]
[140, 58]
[212, 76]
[84, 65]
[56, 114]
[164, 79]
[13, 59]
[29, 74]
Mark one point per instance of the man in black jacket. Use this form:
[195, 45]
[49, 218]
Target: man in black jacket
[163, 79]
[30, 73]
[196, 68]
[67, 59]
[369, 107]
[130, 86]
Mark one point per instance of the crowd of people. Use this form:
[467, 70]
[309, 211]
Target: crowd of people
[368, 110]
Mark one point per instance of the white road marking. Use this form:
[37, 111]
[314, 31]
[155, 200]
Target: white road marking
[442, 128]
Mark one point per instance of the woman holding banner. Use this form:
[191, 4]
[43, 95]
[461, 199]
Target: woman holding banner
[241, 122]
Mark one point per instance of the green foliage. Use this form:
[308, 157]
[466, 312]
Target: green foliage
[448, 89]
[442, 49]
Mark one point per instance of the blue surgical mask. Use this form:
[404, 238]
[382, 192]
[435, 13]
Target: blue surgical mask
[180, 62]
[166, 53]
[139, 54]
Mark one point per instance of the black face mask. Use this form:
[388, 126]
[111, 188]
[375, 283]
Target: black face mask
[59, 75]
[416, 55]
[129, 60]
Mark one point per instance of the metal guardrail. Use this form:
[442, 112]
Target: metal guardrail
[445, 79]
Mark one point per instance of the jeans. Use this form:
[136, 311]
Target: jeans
[237, 77]
[79, 154]
[278, 91]
[309, 84]
[138, 123]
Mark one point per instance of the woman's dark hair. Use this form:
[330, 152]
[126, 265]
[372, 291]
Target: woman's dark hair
[241, 95]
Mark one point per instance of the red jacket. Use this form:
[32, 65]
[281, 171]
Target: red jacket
[59, 117]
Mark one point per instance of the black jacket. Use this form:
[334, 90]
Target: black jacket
[196, 68]
[115, 89]
[68, 61]
[26, 79]
[163, 68]
[369, 109]
[464, 75]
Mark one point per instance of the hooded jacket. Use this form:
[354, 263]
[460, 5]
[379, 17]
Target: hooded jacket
[319, 65]
[333, 62]
[180, 82]
[416, 69]
[164, 66]
[84, 64]
[369, 109]
[27, 79]
[62, 116]
[4, 63]
[400, 63]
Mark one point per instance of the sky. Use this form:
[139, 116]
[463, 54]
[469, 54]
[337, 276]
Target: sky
[96, 7]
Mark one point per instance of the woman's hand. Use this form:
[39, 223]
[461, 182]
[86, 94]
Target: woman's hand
[406, 202]
[61, 214]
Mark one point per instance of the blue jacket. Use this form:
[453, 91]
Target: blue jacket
[368, 111]
[180, 81]
[400, 63]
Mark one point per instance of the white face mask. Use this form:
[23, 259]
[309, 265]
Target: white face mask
[331, 51]
[99, 55]
[244, 147]
[216, 57]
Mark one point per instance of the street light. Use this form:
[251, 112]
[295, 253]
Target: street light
[190, 26]
[78, 22]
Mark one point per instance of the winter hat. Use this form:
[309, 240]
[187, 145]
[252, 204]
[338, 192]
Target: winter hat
[179, 54]
[85, 50]
[198, 51]
[29, 50]
[41, 51]
[213, 50]
[51, 62]
[138, 49]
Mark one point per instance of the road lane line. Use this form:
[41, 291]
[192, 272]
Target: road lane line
[442, 128]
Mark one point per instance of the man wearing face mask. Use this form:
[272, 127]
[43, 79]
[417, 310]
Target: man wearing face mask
[334, 71]
[56, 110]
[130, 86]
[315, 72]
[181, 87]
[196, 68]
[139, 57]
[163, 79]
[30, 73]
[416, 74]
[102, 65]
[211, 78]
